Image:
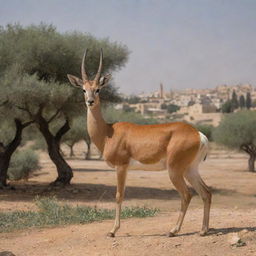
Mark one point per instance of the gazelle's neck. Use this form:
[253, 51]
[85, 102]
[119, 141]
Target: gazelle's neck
[97, 127]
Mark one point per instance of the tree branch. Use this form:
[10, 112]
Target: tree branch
[53, 116]
[249, 149]
[62, 131]
[24, 109]
[28, 123]
[17, 139]
[245, 148]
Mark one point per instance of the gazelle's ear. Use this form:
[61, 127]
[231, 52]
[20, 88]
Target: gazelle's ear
[105, 79]
[75, 81]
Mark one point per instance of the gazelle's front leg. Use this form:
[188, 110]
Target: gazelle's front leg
[121, 172]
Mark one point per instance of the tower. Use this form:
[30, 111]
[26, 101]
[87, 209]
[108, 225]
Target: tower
[161, 92]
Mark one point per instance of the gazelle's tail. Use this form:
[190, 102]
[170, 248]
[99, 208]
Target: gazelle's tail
[203, 150]
[204, 147]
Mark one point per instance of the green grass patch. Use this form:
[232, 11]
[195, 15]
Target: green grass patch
[53, 213]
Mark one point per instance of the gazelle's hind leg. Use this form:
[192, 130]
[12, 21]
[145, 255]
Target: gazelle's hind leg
[178, 181]
[202, 189]
[121, 172]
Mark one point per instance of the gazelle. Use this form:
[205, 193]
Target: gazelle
[177, 146]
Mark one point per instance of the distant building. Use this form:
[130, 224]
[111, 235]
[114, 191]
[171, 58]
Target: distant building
[196, 105]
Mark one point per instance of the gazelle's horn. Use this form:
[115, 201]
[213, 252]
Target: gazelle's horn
[97, 77]
[83, 72]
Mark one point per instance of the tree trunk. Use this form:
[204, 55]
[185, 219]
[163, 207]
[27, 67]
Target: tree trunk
[65, 172]
[7, 151]
[250, 149]
[251, 162]
[4, 165]
[71, 150]
[88, 153]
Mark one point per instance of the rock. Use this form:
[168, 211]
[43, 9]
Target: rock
[236, 241]
[6, 253]
[234, 238]
[244, 231]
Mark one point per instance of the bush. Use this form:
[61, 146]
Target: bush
[23, 162]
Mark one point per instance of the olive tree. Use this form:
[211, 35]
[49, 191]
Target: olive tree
[238, 131]
[77, 133]
[10, 139]
[34, 62]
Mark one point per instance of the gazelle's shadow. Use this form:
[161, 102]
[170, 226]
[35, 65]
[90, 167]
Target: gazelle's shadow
[224, 231]
[212, 231]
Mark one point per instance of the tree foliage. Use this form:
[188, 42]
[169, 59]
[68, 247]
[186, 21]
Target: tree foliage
[242, 101]
[171, 108]
[234, 101]
[248, 101]
[52, 55]
[133, 99]
[227, 107]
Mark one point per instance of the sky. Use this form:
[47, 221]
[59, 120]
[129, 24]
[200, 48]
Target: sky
[180, 43]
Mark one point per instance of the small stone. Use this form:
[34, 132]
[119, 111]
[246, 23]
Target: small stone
[236, 241]
[234, 238]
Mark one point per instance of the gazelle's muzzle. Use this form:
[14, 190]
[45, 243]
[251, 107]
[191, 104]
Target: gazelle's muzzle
[90, 103]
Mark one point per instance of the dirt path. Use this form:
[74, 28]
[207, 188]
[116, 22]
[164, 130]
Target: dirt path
[139, 237]
[233, 210]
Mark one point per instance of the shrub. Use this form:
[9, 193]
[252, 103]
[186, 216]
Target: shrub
[23, 162]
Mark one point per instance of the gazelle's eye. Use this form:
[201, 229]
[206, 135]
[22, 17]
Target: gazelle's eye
[84, 90]
[97, 91]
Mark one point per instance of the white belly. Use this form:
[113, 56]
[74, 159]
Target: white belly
[136, 165]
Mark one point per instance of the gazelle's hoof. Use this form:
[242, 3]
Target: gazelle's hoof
[170, 234]
[203, 233]
[110, 234]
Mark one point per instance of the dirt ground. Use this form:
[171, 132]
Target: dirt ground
[233, 211]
